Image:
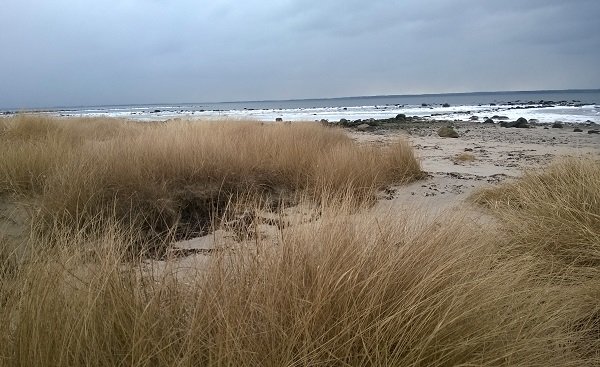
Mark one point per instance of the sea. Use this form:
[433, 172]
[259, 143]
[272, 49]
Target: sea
[568, 106]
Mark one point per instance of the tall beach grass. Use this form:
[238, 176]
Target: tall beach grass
[161, 176]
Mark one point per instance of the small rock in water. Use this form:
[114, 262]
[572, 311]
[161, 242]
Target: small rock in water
[446, 105]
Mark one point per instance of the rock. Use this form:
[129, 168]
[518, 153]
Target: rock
[446, 105]
[447, 132]
[557, 125]
[424, 105]
[593, 131]
[156, 111]
[468, 149]
[324, 121]
[363, 127]
[343, 122]
[400, 116]
[521, 123]
[474, 118]
[488, 121]
[496, 117]
[533, 121]
[577, 130]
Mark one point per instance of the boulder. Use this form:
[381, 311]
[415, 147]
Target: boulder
[278, 119]
[400, 116]
[496, 117]
[447, 132]
[521, 123]
[363, 127]
[343, 122]
[557, 125]
[488, 121]
[593, 131]
[474, 118]
[577, 130]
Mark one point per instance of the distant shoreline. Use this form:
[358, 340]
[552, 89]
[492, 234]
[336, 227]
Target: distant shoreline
[294, 100]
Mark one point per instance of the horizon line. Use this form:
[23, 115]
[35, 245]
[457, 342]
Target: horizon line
[40, 109]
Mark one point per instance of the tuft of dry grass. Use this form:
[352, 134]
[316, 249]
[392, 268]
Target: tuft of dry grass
[553, 213]
[345, 290]
[464, 157]
[159, 176]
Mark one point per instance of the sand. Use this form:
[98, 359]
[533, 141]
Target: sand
[499, 154]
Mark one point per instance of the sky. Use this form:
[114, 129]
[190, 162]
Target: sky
[102, 52]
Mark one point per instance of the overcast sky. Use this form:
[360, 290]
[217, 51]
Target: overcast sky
[75, 52]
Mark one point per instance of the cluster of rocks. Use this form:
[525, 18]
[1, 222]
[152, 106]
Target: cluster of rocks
[520, 123]
[366, 124]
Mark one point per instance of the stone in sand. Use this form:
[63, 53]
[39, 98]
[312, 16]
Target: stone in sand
[488, 121]
[577, 130]
[447, 132]
[593, 131]
[557, 125]
[363, 127]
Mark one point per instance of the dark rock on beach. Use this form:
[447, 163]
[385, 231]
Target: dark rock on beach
[278, 119]
[488, 121]
[447, 132]
[557, 125]
[521, 123]
[593, 131]
[577, 130]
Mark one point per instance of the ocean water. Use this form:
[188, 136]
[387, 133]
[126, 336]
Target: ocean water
[574, 106]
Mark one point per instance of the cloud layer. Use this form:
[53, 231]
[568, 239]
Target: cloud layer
[65, 53]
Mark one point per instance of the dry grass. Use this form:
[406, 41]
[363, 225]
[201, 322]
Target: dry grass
[464, 157]
[351, 288]
[554, 213]
[160, 176]
[343, 291]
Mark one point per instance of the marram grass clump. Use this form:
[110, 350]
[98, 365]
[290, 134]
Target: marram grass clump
[160, 176]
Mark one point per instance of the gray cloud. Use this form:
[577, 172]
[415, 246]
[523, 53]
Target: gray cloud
[146, 51]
